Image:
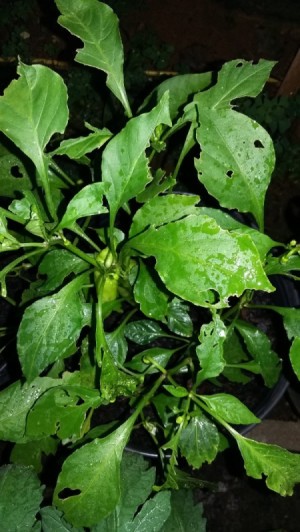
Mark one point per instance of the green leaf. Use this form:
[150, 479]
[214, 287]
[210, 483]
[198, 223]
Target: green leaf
[295, 356]
[80, 146]
[13, 174]
[16, 401]
[259, 346]
[276, 265]
[262, 242]
[144, 332]
[67, 408]
[281, 467]
[291, 320]
[53, 521]
[50, 328]
[56, 265]
[237, 79]
[31, 453]
[150, 293]
[137, 480]
[176, 391]
[236, 169]
[179, 320]
[202, 263]
[34, 107]
[124, 163]
[92, 473]
[142, 361]
[115, 382]
[180, 88]
[97, 26]
[162, 210]
[185, 514]
[20, 498]
[7, 241]
[28, 208]
[117, 344]
[153, 514]
[87, 202]
[210, 351]
[229, 409]
[199, 441]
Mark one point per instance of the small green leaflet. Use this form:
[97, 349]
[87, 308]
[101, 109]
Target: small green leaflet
[80, 146]
[32, 452]
[34, 107]
[16, 401]
[53, 521]
[185, 514]
[50, 328]
[291, 320]
[28, 208]
[281, 467]
[176, 391]
[179, 320]
[13, 174]
[67, 407]
[144, 332]
[161, 210]
[180, 88]
[202, 263]
[228, 408]
[259, 346]
[210, 351]
[87, 202]
[93, 474]
[199, 441]
[20, 498]
[142, 362]
[150, 293]
[97, 26]
[124, 163]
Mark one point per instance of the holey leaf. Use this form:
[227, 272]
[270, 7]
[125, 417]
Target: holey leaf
[50, 328]
[32, 109]
[97, 26]
[235, 168]
[87, 202]
[88, 487]
[281, 467]
[124, 163]
[202, 263]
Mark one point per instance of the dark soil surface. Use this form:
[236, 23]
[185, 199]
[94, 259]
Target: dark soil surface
[191, 36]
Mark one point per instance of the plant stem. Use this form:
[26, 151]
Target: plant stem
[11, 267]
[74, 249]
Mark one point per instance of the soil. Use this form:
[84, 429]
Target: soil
[195, 36]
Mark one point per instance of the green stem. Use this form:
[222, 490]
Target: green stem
[147, 397]
[61, 172]
[12, 216]
[101, 343]
[74, 249]
[11, 267]
[78, 231]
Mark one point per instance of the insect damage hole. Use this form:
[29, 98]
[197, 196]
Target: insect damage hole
[258, 144]
[229, 174]
[68, 492]
[15, 171]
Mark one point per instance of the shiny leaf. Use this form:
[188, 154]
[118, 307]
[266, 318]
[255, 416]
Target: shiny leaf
[124, 163]
[199, 441]
[50, 328]
[210, 350]
[202, 263]
[92, 473]
[80, 146]
[281, 467]
[229, 409]
[150, 293]
[97, 26]
[87, 202]
[20, 498]
[259, 346]
[144, 331]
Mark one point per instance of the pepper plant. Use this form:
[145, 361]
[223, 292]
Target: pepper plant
[134, 308]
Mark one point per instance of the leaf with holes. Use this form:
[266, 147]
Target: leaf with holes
[199, 441]
[200, 262]
[236, 169]
[92, 477]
